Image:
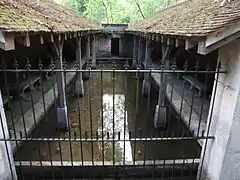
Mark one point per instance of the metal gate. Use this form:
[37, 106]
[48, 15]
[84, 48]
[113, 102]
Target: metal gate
[110, 130]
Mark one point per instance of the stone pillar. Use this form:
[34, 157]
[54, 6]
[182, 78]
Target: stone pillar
[221, 159]
[147, 61]
[79, 80]
[94, 52]
[160, 118]
[62, 113]
[134, 51]
[7, 167]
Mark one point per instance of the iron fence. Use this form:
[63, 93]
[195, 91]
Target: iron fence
[111, 131]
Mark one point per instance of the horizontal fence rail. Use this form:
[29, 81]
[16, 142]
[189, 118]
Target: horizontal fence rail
[117, 115]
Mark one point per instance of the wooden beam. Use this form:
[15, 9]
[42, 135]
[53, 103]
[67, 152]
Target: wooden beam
[170, 42]
[74, 35]
[178, 43]
[153, 37]
[59, 37]
[216, 37]
[204, 49]
[7, 41]
[51, 38]
[163, 39]
[27, 40]
[189, 44]
[41, 40]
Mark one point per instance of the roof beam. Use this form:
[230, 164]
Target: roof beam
[170, 41]
[204, 49]
[189, 44]
[218, 36]
[179, 43]
[26, 41]
[7, 42]
[41, 39]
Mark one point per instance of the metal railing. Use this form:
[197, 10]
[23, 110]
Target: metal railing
[111, 131]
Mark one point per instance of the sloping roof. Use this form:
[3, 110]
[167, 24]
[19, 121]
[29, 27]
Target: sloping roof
[40, 16]
[192, 18]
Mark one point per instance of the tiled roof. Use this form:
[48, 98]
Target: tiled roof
[40, 16]
[192, 18]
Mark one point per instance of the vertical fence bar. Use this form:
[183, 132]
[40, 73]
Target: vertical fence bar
[113, 89]
[192, 87]
[16, 66]
[102, 121]
[90, 115]
[185, 67]
[10, 108]
[202, 102]
[79, 121]
[210, 122]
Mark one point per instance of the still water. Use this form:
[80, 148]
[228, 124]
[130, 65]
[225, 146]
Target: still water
[112, 107]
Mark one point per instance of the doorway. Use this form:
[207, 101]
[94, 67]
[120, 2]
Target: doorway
[115, 46]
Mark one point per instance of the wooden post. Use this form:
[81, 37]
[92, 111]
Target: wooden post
[62, 114]
[94, 52]
[146, 83]
[139, 51]
[88, 47]
[160, 119]
[134, 50]
[79, 80]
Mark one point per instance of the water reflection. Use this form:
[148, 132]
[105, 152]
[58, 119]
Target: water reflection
[115, 123]
[130, 115]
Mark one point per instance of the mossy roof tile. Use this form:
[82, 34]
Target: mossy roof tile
[191, 18]
[40, 16]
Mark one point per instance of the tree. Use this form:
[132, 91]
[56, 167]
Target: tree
[117, 11]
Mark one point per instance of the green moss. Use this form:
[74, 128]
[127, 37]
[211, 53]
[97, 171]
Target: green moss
[38, 15]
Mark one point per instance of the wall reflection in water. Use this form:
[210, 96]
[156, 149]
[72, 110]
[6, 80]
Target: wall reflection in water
[115, 123]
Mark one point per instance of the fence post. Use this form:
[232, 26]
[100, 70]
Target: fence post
[79, 80]
[7, 167]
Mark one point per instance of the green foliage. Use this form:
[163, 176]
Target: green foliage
[117, 11]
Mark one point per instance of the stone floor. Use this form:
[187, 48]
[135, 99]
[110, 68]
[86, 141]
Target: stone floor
[196, 117]
[25, 113]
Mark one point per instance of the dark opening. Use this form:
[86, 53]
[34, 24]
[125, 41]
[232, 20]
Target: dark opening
[115, 47]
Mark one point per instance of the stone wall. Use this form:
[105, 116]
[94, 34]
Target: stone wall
[104, 45]
[222, 157]
[7, 167]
